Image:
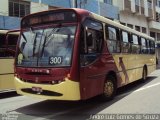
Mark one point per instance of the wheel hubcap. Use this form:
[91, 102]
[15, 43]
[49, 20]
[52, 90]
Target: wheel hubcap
[109, 88]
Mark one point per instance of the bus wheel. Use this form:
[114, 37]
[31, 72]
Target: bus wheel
[144, 74]
[110, 87]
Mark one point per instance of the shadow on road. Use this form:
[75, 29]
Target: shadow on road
[79, 110]
[8, 94]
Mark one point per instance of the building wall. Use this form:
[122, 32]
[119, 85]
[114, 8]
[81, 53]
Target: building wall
[135, 20]
[118, 3]
[7, 22]
[96, 6]
[99, 7]
[109, 11]
[58, 3]
[91, 5]
[4, 7]
[36, 7]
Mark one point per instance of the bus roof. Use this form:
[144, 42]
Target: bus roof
[3, 31]
[118, 25]
[13, 32]
[100, 18]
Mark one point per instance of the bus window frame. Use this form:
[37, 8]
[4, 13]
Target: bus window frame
[152, 47]
[9, 53]
[122, 42]
[148, 47]
[132, 43]
[143, 45]
[4, 46]
[84, 54]
[85, 29]
[118, 36]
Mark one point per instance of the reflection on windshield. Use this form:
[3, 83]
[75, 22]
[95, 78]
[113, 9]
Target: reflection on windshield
[46, 47]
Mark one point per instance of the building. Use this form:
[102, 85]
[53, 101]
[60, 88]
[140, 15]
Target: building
[141, 15]
[102, 7]
[11, 11]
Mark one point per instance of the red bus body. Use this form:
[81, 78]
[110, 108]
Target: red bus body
[91, 78]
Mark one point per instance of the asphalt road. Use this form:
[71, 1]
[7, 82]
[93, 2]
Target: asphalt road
[136, 98]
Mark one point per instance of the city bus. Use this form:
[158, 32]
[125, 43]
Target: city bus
[74, 54]
[8, 40]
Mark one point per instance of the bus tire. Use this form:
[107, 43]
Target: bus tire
[110, 88]
[144, 74]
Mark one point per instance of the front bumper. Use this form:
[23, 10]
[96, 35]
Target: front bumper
[67, 90]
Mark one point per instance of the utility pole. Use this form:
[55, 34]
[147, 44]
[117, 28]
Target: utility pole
[75, 4]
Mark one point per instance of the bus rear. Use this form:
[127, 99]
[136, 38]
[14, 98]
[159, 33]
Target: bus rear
[46, 54]
[8, 41]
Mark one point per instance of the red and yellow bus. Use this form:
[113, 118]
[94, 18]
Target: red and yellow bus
[8, 41]
[73, 54]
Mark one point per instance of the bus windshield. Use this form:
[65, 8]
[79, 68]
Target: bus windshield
[46, 47]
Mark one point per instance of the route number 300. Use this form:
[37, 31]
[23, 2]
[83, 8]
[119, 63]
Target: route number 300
[55, 60]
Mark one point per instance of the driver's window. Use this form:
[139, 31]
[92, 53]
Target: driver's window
[91, 40]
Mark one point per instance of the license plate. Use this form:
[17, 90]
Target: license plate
[37, 89]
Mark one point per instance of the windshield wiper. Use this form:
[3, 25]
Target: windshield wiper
[46, 38]
[24, 37]
[34, 44]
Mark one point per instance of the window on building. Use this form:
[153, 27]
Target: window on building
[123, 23]
[19, 8]
[144, 30]
[130, 25]
[153, 34]
[149, 4]
[158, 36]
[108, 1]
[137, 2]
[137, 28]
[157, 17]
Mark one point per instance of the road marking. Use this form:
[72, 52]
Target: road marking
[150, 86]
[138, 90]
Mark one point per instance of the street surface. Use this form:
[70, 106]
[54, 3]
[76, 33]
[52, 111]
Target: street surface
[136, 98]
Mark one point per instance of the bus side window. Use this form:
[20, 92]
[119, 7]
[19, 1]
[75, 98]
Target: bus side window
[94, 41]
[143, 46]
[12, 42]
[152, 47]
[113, 42]
[125, 42]
[135, 47]
[148, 46]
[91, 42]
[2, 45]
